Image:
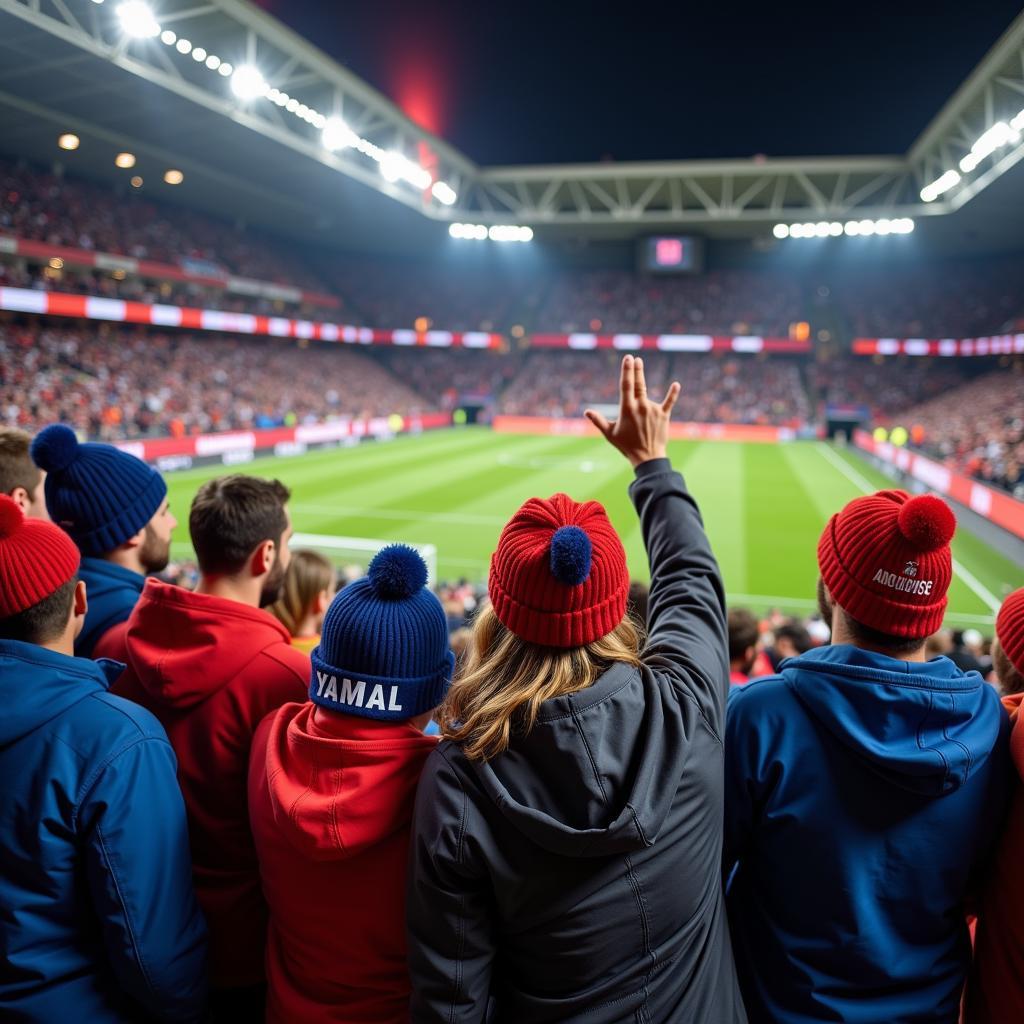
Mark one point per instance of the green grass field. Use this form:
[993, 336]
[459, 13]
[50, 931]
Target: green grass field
[764, 505]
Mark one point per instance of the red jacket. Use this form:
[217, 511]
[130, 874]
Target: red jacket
[995, 993]
[331, 799]
[211, 670]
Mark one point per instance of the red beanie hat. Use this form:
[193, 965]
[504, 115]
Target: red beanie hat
[36, 558]
[886, 561]
[559, 576]
[1010, 629]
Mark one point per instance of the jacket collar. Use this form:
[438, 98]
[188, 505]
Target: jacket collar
[113, 571]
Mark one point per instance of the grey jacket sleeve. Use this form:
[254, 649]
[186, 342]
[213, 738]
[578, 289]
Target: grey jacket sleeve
[687, 635]
[448, 906]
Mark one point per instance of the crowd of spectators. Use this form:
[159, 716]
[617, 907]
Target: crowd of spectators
[715, 389]
[453, 376]
[112, 382]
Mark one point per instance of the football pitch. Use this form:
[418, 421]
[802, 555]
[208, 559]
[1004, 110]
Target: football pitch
[764, 505]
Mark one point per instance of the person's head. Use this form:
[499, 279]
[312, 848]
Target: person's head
[111, 503]
[885, 567]
[939, 643]
[636, 603]
[743, 634]
[973, 642]
[557, 620]
[240, 528]
[383, 650]
[791, 640]
[41, 599]
[1008, 649]
[20, 478]
[305, 594]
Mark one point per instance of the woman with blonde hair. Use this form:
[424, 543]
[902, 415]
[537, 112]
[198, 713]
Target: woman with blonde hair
[567, 837]
[305, 596]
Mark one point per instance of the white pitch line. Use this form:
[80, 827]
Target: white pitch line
[861, 482]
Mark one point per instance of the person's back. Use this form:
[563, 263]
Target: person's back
[211, 664]
[565, 858]
[331, 790]
[98, 918]
[864, 791]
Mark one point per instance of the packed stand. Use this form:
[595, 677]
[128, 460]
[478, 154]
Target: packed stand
[718, 302]
[715, 389]
[112, 382]
[452, 376]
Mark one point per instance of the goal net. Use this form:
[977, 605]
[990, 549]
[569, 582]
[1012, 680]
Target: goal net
[353, 554]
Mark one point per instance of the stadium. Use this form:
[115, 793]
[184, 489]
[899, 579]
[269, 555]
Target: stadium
[235, 239]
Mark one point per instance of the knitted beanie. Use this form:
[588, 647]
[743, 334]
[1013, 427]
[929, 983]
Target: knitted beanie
[1010, 629]
[99, 494]
[383, 649]
[36, 559]
[559, 576]
[886, 561]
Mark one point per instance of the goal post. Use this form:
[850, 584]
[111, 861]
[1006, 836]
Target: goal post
[358, 551]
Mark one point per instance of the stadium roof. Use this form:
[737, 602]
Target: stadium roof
[172, 83]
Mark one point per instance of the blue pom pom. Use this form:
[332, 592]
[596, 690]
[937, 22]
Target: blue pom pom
[397, 572]
[570, 556]
[55, 448]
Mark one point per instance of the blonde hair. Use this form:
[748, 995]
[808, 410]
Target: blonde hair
[506, 680]
[307, 575]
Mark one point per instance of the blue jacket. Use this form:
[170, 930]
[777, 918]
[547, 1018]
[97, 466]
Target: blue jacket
[862, 793]
[112, 592]
[98, 921]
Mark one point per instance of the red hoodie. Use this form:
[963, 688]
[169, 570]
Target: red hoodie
[995, 994]
[331, 799]
[211, 670]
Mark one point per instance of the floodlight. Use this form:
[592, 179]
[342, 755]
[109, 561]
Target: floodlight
[168, 37]
[225, 69]
[526, 234]
[183, 46]
[68, 141]
[851, 227]
[457, 230]
[781, 231]
[443, 193]
[883, 226]
[199, 55]
[137, 20]
[390, 166]
[213, 62]
[336, 135]
[479, 232]
[247, 83]
[173, 177]
[125, 160]
[867, 227]
[835, 229]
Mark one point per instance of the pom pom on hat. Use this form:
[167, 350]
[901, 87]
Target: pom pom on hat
[55, 448]
[11, 516]
[397, 572]
[927, 522]
[571, 553]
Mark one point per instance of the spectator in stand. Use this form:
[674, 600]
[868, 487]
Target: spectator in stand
[744, 633]
[305, 595]
[211, 665]
[566, 833]
[865, 788]
[100, 921]
[790, 640]
[20, 478]
[995, 994]
[115, 509]
[331, 789]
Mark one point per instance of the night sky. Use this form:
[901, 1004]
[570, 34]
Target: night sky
[562, 82]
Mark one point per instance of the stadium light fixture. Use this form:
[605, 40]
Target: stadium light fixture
[335, 135]
[247, 83]
[496, 232]
[125, 161]
[781, 231]
[213, 62]
[173, 177]
[835, 229]
[225, 69]
[443, 193]
[199, 55]
[999, 135]
[168, 37]
[136, 182]
[183, 46]
[137, 20]
[68, 141]
[851, 227]
[939, 186]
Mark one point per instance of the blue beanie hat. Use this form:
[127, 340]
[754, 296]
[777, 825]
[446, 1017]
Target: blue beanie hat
[98, 494]
[383, 649]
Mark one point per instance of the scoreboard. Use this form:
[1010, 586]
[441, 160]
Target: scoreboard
[671, 254]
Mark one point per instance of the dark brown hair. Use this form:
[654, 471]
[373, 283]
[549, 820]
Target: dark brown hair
[866, 636]
[16, 466]
[743, 632]
[44, 621]
[231, 516]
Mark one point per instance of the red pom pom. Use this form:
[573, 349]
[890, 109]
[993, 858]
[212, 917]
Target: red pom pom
[927, 522]
[11, 516]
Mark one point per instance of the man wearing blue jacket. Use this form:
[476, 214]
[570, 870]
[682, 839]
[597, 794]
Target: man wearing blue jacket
[115, 509]
[98, 920]
[864, 790]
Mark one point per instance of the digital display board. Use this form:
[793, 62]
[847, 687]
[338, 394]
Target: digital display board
[672, 254]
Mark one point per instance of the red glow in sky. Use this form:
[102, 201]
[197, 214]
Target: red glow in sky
[418, 88]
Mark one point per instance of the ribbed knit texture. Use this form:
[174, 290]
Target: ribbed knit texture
[100, 495]
[1010, 629]
[879, 553]
[542, 609]
[36, 559]
[394, 643]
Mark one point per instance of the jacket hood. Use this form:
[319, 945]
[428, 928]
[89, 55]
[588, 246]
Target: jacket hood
[924, 726]
[37, 685]
[1012, 703]
[183, 646]
[339, 784]
[588, 780]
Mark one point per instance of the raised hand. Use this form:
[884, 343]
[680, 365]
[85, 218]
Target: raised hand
[641, 431]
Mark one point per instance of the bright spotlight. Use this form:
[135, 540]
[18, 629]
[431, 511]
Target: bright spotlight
[68, 141]
[457, 230]
[391, 167]
[903, 226]
[821, 229]
[225, 69]
[183, 46]
[168, 38]
[336, 134]
[173, 177]
[125, 160]
[526, 234]
[443, 193]
[247, 83]
[213, 62]
[851, 227]
[867, 227]
[781, 231]
[479, 232]
[137, 20]
[883, 226]
[199, 55]
[835, 229]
